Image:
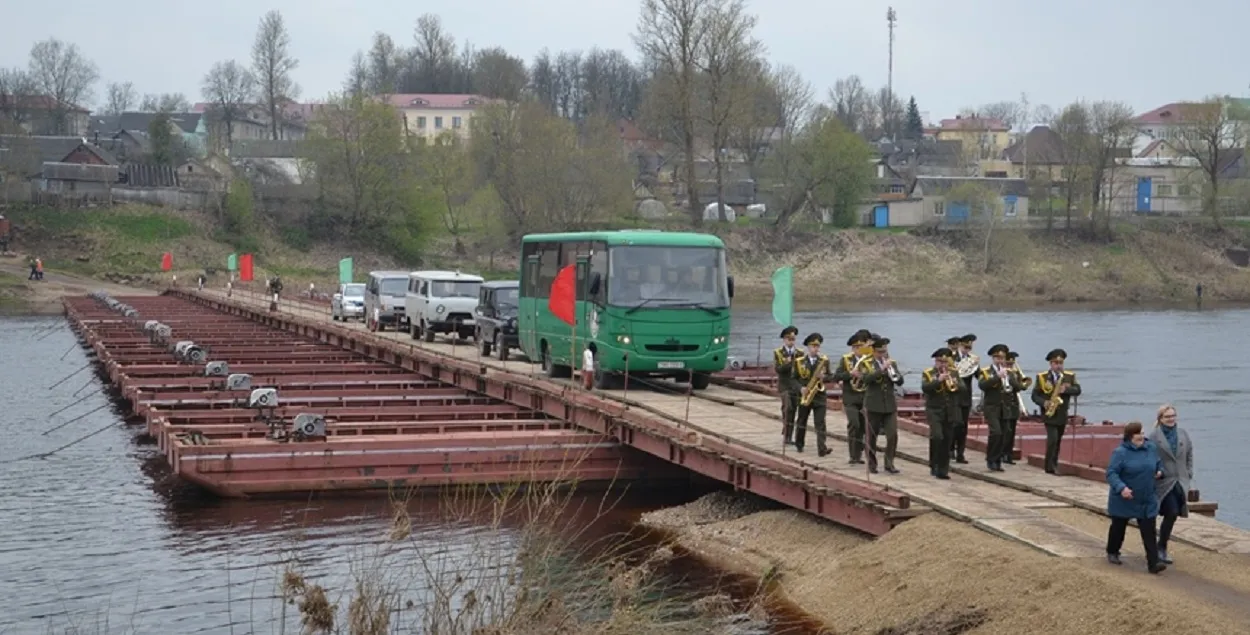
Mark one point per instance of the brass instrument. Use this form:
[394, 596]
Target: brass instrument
[1055, 399]
[951, 384]
[889, 369]
[1004, 375]
[1025, 380]
[968, 366]
[815, 383]
[857, 383]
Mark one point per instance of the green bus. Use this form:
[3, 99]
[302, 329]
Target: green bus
[649, 303]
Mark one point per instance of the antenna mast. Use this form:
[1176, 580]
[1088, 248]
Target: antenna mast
[890, 17]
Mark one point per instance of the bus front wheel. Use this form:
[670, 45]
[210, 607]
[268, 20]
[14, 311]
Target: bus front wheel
[552, 369]
[700, 381]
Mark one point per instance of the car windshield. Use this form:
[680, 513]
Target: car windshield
[506, 297]
[454, 289]
[354, 290]
[667, 276]
[393, 287]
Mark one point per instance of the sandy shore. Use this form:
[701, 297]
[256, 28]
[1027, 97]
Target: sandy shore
[937, 576]
[43, 297]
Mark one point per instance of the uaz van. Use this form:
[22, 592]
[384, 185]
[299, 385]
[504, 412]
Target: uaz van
[384, 299]
[441, 302]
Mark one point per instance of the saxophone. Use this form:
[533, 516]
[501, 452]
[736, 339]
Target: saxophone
[1055, 399]
[815, 383]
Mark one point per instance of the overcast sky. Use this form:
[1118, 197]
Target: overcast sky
[949, 53]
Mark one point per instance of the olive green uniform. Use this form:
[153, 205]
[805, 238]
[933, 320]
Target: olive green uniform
[804, 367]
[941, 411]
[882, 408]
[998, 400]
[959, 440]
[1011, 417]
[788, 387]
[852, 406]
[1055, 425]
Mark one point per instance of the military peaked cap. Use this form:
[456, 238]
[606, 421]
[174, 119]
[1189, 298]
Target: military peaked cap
[968, 338]
[880, 342]
[1058, 354]
[814, 338]
[998, 348]
[942, 353]
[790, 330]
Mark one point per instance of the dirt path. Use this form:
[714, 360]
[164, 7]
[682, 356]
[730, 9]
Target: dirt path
[44, 296]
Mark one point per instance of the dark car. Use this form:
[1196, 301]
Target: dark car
[495, 317]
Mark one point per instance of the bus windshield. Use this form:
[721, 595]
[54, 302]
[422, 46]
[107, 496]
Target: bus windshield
[667, 276]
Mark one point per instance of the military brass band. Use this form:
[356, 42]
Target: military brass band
[869, 379]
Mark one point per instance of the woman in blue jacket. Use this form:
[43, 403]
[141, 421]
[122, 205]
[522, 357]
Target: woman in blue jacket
[1131, 475]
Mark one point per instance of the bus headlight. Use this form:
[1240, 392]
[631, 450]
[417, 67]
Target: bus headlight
[623, 339]
[719, 339]
[439, 309]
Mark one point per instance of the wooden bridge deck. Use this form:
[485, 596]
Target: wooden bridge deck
[1007, 504]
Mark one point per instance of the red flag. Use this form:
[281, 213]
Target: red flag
[167, 261]
[563, 295]
[245, 267]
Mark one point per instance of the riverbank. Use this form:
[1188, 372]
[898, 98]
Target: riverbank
[1156, 264]
[936, 576]
[20, 296]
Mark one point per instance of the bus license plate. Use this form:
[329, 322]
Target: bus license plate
[670, 365]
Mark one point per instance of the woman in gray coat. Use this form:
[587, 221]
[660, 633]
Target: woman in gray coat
[1176, 454]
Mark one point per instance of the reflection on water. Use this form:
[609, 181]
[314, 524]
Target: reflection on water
[95, 536]
[1128, 363]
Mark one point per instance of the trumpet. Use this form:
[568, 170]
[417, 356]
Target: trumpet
[1004, 375]
[889, 369]
[951, 384]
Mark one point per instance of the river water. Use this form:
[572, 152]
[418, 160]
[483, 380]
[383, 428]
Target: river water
[96, 538]
[93, 539]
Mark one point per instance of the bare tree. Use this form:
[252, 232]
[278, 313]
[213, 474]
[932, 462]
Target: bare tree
[610, 84]
[434, 55]
[229, 87]
[1075, 141]
[670, 35]
[1011, 113]
[16, 89]
[890, 115]
[272, 64]
[356, 84]
[850, 101]
[499, 75]
[1206, 133]
[165, 102]
[727, 61]
[568, 84]
[781, 103]
[1111, 131]
[61, 73]
[385, 65]
[120, 97]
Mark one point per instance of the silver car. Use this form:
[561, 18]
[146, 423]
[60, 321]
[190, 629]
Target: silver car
[348, 303]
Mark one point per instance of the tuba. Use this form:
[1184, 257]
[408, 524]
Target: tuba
[968, 366]
[815, 383]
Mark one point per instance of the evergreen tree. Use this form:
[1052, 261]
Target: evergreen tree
[915, 125]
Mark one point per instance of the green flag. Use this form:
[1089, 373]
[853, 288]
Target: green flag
[232, 262]
[345, 271]
[783, 296]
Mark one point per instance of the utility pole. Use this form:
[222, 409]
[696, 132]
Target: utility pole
[890, 17]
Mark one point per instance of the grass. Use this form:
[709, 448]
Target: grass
[12, 290]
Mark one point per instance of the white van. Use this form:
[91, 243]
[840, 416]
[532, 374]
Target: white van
[384, 299]
[441, 302]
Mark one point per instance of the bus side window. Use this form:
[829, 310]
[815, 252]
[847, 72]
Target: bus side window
[548, 268]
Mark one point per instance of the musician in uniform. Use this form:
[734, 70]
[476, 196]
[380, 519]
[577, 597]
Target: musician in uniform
[1060, 385]
[787, 386]
[812, 371]
[998, 394]
[941, 387]
[853, 393]
[1013, 409]
[966, 363]
[880, 403]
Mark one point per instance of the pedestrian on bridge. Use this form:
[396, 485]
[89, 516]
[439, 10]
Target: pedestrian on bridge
[1132, 473]
[1176, 455]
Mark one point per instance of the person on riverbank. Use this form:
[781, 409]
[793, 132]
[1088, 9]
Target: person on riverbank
[941, 410]
[787, 386]
[1012, 410]
[1131, 474]
[853, 398]
[962, 346]
[998, 388]
[1176, 457]
[813, 363]
[881, 404]
[1057, 422]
